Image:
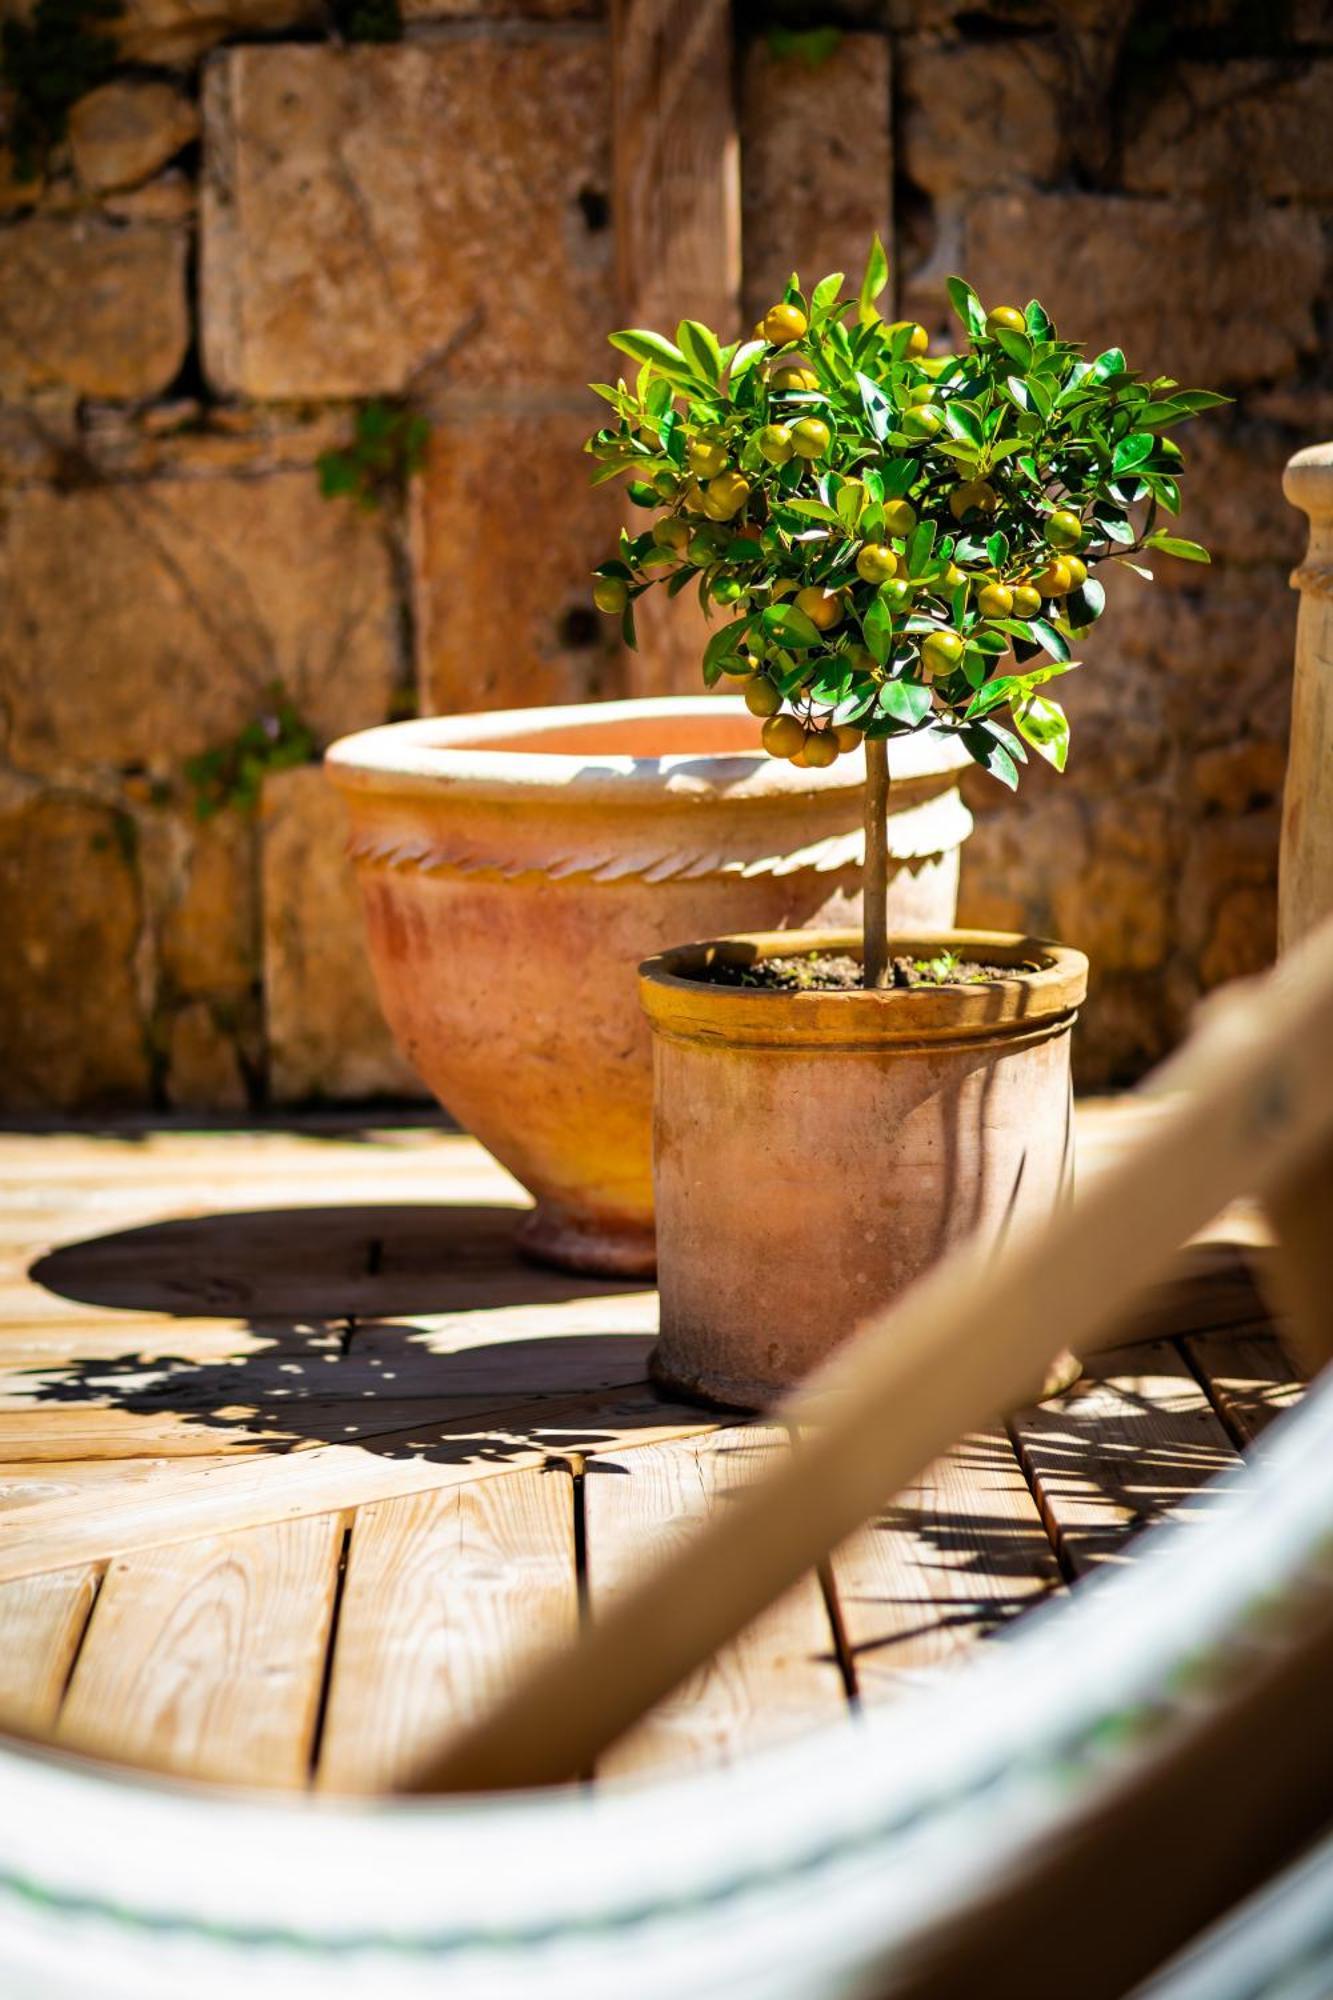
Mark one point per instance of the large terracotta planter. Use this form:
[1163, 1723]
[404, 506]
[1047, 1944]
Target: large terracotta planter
[815, 1152]
[516, 867]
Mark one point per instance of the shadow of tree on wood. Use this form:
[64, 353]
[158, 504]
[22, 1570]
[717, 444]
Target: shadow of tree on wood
[318, 1356]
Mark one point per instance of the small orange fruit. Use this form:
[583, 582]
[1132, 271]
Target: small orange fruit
[811, 437]
[822, 607]
[1054, 580]
[1063, 529]
[876, 563]
[821, 749]
[706, 458]
[941, 651]
[1008, 318]
[784, 323]
[899, 517]
[610, 593]
[726, 495]
[919, 340]
[774, 442]
[782, 736]
[1078, 571]
[1027, 601]
[847, 737]
[995, 600]
[975, 496]
[762, 698]
[791, 381]
[671, 532]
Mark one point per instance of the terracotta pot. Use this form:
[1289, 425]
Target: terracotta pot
[516, 867]
[815, 1152]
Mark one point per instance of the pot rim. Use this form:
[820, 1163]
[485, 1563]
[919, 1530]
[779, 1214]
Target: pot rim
[466, 756]
[1037, 998]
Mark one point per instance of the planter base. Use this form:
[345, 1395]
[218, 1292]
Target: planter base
[721, 1392]
[552, 1235]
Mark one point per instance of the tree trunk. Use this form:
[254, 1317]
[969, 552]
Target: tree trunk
[875, 877]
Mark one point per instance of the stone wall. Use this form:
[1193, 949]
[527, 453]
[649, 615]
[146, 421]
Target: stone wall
[254, 229]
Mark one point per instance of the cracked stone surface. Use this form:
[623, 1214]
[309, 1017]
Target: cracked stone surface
[362, 231]
[201, 592]
[816, 164]
[70, 1021]
[1109, 268]
[506, 533]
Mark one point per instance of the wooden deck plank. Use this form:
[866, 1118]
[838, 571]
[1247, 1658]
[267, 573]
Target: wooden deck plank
[1136, 1439]
[956, 1556]
[42, 1619]
[447, 1596]
[59, 1514]
[780, 1676]
[1250, 1378]
[207, 1659]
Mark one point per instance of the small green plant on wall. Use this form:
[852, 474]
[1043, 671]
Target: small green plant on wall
[389, 445]
[900, 541]
[231, 775]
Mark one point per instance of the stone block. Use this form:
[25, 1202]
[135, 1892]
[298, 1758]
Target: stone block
[147, 621]
[120, 134]
[203, 1067]
[506, 532]
[170, 198]
[176, 31]
[1120, 906]
[209, 928]
[977, 115]
[325, 1034]
[816, 164]
[503, 10]
[71, 1025]
[91, 307]
[1213, 296]
[377, 217]
[1269, 121]
[1233, 490]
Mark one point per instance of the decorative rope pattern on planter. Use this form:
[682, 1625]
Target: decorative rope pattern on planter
[1315, 579]
[428, 857]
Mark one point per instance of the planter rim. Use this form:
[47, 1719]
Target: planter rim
[1035, 999]
[474, 757]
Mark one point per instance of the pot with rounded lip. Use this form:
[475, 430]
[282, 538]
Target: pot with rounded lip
[515, 867]
[814, 1152]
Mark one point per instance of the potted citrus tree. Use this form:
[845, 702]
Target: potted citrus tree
[899, 544]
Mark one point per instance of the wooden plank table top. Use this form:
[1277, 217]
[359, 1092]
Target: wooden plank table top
[300, 1463]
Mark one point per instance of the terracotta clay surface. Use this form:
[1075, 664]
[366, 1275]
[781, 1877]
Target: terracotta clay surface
[815, 1152]
[1305, 877]
[516, 867]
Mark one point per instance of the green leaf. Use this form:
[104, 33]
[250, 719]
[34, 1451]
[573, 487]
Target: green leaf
[723, 645]
[963, 421]
[966, 304]
[905, 701]
[790, 627]
[873, 283]
[1017, 346]
[699, 347]
[744, 359]
[991, 755]
[1176, 545]
[877, 624]
[1112, 362]
[1132, 451]
[1044, 724]
[1038, 321]
[656, 352]
[876, 405]
[814, 509]
[1054, 641]
[1085, 605]
[919, 545]
[826, 292]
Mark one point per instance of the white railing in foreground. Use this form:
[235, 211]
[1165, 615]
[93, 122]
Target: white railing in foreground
[1252, 1114]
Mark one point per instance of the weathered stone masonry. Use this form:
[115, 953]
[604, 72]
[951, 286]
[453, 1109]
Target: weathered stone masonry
[253, 229]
